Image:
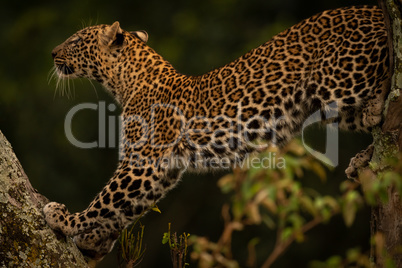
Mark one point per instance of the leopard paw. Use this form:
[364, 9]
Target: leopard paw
[56, 217]
[97, 243]
[361, 160]
[372, 113]
[370, 120]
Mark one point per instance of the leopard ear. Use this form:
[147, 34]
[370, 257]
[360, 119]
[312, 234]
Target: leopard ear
[143, 35]
[113, 35]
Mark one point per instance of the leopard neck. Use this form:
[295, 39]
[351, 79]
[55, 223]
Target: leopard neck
[152, 80]
[149, 80]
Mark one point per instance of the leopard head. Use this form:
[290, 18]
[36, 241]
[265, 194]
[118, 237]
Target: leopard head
[94, 51]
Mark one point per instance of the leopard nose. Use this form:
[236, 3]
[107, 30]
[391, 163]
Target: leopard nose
[56, 50]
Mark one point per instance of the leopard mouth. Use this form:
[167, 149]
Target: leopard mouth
[64, 69]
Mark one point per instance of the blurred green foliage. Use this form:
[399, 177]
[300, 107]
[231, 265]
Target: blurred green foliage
[196, 36]
[275, 198]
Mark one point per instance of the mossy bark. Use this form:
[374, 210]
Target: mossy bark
[386, 224]
[25, 238]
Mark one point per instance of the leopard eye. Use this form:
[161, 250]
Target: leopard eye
[76, 41]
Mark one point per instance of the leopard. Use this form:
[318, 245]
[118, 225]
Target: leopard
[173, 122]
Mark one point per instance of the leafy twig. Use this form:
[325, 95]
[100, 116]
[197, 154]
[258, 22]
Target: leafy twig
[178, 248]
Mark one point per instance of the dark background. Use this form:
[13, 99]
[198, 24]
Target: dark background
[195, 36]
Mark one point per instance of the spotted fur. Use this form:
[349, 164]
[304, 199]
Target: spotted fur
[338, 56]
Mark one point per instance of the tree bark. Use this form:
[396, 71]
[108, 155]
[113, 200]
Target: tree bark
[386, 223]
[25, 238]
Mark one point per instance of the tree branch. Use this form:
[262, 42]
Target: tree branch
[25, 238]
[386, 217]
[282, 245]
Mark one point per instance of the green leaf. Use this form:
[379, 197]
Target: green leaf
[349, 213]
[308, 205]
[166, 237]
[334, 261]
[353, 254]
[237, 209]
[254, 241]
[286, 233]
[319, 170]
[326, 214]
[227, 183]
[331, 202]
[296, 220]
[156, 209]
[269, 222]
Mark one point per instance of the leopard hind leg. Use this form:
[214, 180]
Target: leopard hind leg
[373, 109]
[361, 160]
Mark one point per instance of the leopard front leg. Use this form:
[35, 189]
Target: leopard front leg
[126, 196]
[93, 236]
[59, 218]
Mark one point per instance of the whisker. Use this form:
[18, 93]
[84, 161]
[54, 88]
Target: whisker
[54, 94]
[68, 90]
[66, 85]
[63, 86]
[59, 86]
[73, 89]
[57, 89]
[93, 86]
[83, 24]
[51, 74]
